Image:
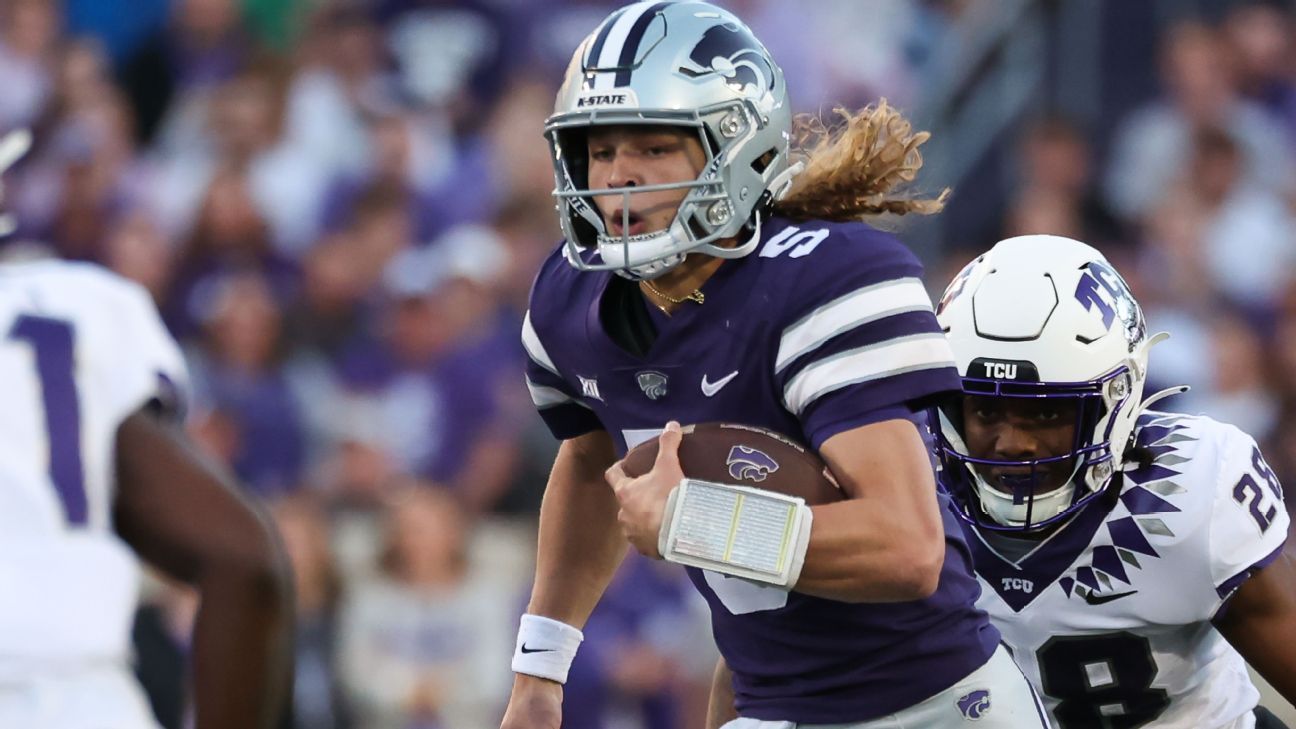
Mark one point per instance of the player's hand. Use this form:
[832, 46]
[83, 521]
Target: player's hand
[643, 499]
[535, 703]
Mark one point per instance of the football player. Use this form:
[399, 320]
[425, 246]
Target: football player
[1131, 558]
[95, 471]
[703, 279]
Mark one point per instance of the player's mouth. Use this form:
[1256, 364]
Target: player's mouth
[1024, 479]
[617, 223]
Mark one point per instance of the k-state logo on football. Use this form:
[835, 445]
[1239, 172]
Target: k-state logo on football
[748, 464]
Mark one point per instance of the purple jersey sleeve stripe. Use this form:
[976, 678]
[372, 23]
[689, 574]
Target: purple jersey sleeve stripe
[856, 309]
[1230, 586]
[823, 432]
[861, 403]
[569, 421]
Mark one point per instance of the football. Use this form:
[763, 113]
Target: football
[744, 455]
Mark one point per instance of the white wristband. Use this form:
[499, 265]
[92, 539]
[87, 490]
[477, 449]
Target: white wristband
[739, 531]
[545, 647]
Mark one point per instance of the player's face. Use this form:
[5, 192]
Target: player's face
[635, 156]
[1020, 429]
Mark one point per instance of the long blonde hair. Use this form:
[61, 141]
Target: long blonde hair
[855, 169]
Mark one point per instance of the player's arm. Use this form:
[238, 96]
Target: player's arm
[886, 542]
[852, 363]
[184, 516]
[580, 548]
[1260, 622]
[1250, 568]
[720, 709]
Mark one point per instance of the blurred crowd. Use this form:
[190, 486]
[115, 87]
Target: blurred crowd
[339, 204]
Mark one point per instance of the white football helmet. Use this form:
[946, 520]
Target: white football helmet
[1042, 316]
[688, 64]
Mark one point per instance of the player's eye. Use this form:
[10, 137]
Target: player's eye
[600, 154]
[660, 149]
[1049, 415]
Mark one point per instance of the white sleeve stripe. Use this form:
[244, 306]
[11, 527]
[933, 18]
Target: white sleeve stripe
[534, 349]
[611, 55]
[859, 307]
[546, 397]
[886, 359]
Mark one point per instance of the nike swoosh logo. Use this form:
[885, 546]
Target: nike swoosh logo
[711, 388]
[1093, 599]
[536, 650]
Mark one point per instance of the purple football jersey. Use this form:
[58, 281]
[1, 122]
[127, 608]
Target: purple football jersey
[824, 328]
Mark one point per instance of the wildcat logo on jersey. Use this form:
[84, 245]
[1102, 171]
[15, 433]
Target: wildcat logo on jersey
[747, 463]
[975, 705]
[1101, 289]
[733, 53]
[652, 383]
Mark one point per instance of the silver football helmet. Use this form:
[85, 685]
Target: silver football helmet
[688, 64]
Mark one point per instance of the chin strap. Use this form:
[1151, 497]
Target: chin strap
[1156, 397]
[782, 182]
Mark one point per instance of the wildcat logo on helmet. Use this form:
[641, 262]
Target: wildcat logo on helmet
[734, 53]
[652, 383]
[748, 464]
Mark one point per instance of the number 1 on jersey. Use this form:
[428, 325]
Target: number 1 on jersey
[52, 342]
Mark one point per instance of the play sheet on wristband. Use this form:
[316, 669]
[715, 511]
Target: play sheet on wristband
[738, 526]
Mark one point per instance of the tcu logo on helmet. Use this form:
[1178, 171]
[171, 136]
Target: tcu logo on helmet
[734, 53]
[746, 463]
[1103, 290]
[957, 285]
[975, 705]
[1000, 370]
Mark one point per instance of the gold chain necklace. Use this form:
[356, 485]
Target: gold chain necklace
[695, 296]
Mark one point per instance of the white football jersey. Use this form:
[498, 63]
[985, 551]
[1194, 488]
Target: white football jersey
[80, 350]
[1110, 617]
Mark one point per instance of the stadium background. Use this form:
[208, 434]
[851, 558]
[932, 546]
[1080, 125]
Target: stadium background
[339, 205]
